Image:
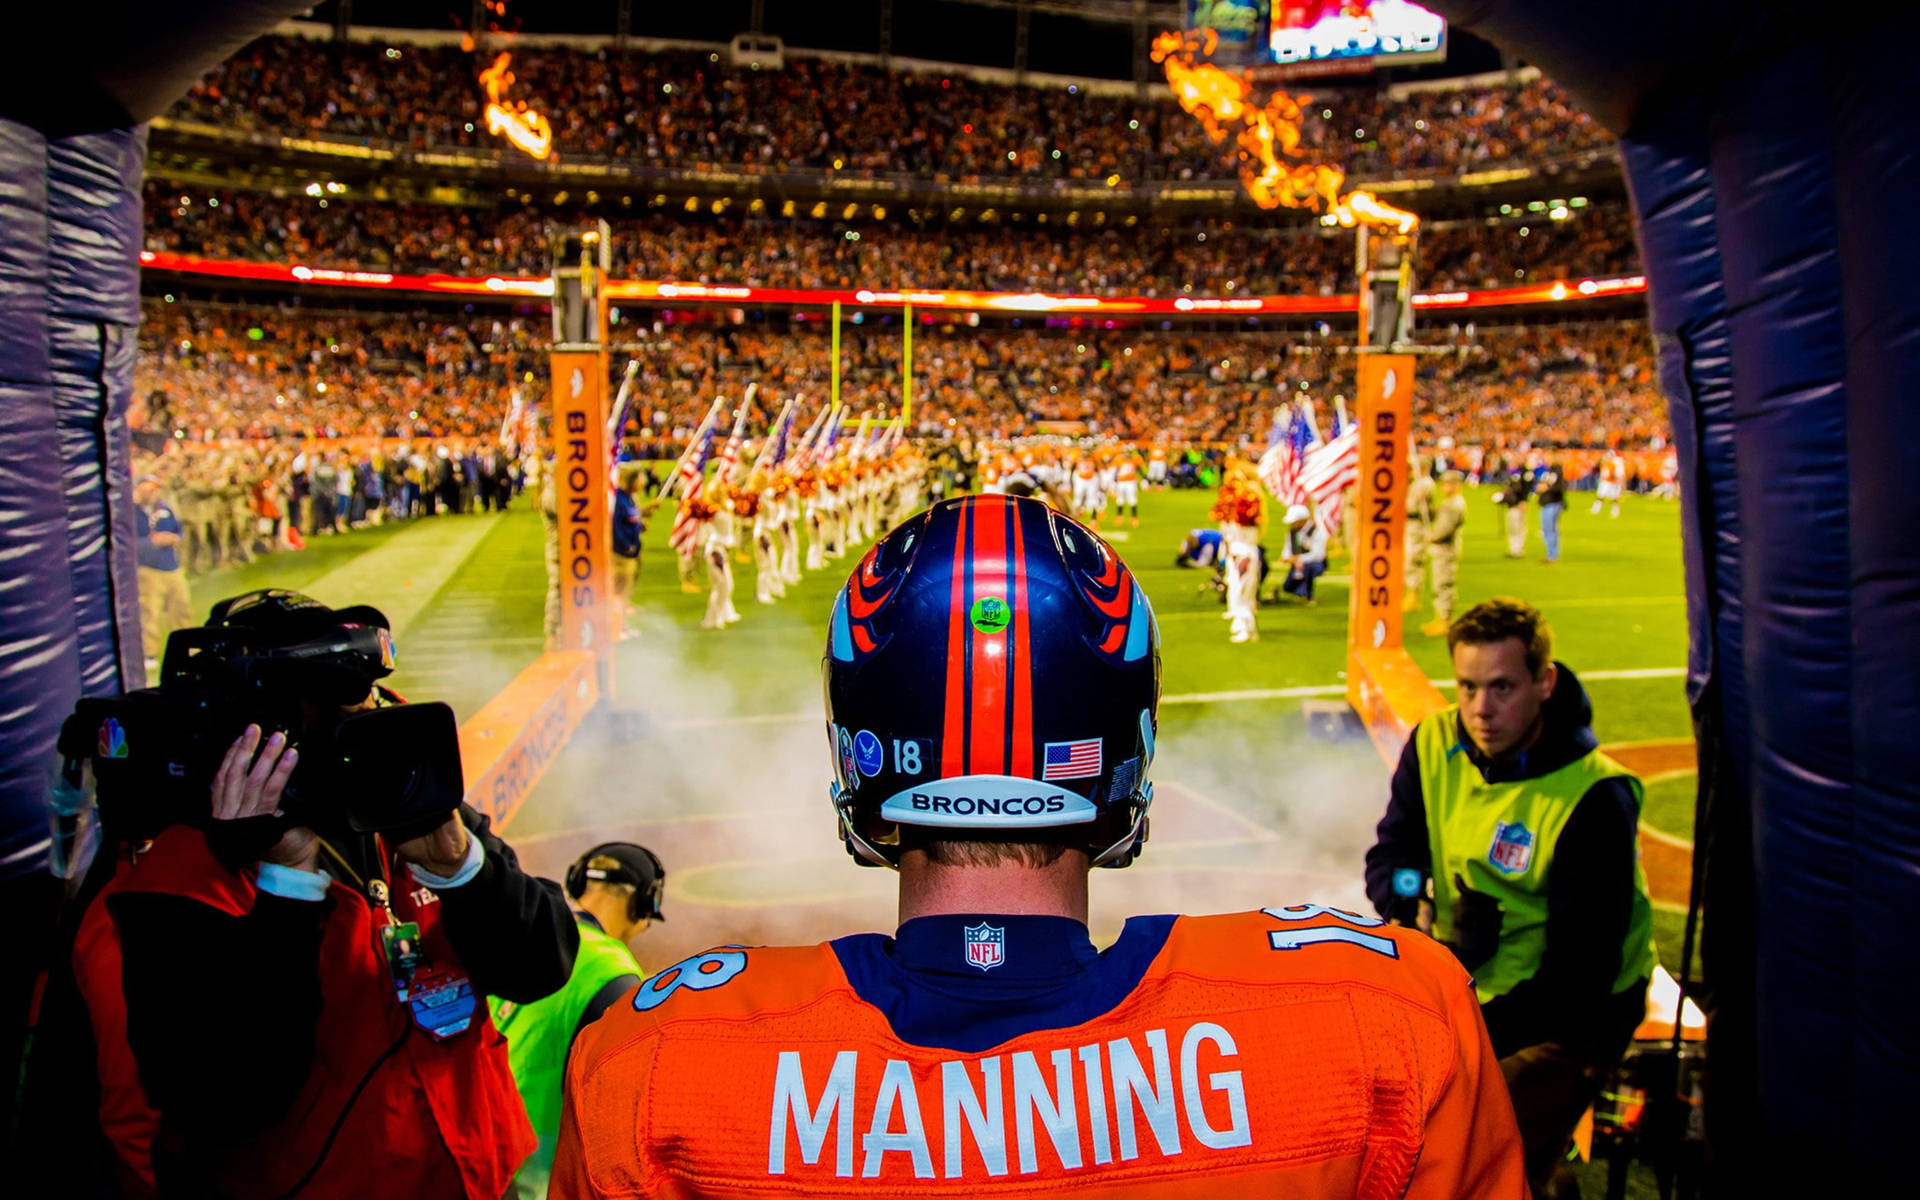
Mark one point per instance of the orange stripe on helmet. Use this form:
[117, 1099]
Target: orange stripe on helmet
[953, 732]
[987, 736]
[1020, 737]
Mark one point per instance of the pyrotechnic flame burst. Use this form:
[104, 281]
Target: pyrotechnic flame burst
[512, 119]
[1267, 135]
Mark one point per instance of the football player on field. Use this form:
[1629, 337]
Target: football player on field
[992, 678]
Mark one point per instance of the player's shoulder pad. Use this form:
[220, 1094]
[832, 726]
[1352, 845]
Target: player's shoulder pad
[1316, 945]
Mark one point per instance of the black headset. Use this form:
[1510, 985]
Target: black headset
[644, 903]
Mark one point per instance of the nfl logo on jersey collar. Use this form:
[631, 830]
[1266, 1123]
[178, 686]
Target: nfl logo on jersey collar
[986, 945]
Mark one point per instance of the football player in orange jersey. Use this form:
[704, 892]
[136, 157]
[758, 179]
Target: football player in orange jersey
[1126, 485]
[992, 679]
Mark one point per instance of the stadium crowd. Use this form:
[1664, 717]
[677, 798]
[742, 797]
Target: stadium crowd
[213, 372]
[1155, 258]
[686, 109]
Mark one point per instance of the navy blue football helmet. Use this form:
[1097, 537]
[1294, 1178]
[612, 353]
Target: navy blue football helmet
[992, 673]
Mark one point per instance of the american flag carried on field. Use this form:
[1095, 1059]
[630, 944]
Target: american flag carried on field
[1286, 455]
[1299, 468]
[1331, 468]
[617, 424]
[781, 436]
[693, 464]
[516, 432]
[1071, 760]
[730, 452]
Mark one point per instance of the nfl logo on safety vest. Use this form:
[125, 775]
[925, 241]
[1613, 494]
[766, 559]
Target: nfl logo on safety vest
[986, 945]
[1512, 848]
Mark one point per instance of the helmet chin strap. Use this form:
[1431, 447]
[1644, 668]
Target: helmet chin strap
[863, 851]
[1122, 852]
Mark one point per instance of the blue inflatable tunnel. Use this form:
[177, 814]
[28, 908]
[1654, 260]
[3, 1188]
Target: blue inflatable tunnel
[1775, 172]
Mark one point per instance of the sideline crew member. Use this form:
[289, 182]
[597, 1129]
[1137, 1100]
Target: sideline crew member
[992, 677]
[1446, 537]
[164, 603]
[1528, 835]
[616, 890]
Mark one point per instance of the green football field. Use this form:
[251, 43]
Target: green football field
[721, 764]
[723, 758]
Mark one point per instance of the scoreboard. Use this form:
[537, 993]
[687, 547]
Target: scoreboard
[1295, 38]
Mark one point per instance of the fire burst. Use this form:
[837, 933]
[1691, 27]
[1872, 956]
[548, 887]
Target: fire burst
[1267, 135]
[512, 119]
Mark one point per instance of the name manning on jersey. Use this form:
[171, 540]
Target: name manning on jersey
[1080, 1107]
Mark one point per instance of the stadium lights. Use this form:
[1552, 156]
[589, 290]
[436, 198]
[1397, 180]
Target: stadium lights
[693, 204]
[820, 211]
[849, 212]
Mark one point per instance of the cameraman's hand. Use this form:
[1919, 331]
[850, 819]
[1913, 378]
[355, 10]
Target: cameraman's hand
[247, 786]
[442, 852]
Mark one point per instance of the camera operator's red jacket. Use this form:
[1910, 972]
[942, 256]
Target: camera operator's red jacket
[384, 1109]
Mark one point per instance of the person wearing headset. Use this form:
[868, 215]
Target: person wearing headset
[616, 889]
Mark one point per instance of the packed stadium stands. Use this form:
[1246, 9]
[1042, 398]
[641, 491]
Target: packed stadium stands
[682, 108]
[274, 367]
[256, 372]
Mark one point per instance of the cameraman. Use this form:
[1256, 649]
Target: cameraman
[286, 1009]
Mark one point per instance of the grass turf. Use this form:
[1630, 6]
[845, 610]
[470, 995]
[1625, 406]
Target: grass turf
[1615, 601]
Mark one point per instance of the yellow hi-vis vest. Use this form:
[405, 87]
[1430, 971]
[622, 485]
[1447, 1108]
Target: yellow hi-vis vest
[1499, 838]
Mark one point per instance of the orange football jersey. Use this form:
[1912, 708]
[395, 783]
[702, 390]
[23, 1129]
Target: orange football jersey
[1293, 1052]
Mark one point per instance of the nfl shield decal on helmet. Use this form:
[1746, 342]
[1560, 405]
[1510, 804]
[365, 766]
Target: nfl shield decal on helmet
[1512, 848]
[986, 945]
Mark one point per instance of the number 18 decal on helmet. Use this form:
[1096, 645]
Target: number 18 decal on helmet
[1002, 668]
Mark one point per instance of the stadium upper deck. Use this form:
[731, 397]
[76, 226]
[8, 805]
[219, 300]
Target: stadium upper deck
[389, 103]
